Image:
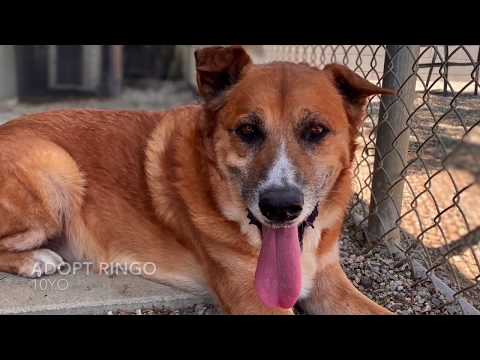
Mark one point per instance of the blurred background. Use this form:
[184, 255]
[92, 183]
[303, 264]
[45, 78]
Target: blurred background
[38, 77]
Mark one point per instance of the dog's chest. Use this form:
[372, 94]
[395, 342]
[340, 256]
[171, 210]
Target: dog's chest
[312, 238]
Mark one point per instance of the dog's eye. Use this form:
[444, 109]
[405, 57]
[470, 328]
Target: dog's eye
[249, 133]
[314, 133]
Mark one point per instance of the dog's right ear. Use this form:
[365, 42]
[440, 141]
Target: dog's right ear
[218, 68]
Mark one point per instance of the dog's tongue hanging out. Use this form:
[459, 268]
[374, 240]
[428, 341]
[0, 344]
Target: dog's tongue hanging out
[278, 278]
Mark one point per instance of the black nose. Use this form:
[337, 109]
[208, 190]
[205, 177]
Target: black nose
[281, 204]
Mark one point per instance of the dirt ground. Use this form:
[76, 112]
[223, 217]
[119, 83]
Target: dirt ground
[433, 216]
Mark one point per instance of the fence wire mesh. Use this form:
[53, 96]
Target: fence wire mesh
[435, 186]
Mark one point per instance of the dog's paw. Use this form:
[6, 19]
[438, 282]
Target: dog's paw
[42, 262]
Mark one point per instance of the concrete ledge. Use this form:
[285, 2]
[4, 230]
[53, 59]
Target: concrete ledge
[88, 294]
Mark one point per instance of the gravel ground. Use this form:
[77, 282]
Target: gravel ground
[390, 283]
[197, 309]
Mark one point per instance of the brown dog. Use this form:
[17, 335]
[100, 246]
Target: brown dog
[244, 195]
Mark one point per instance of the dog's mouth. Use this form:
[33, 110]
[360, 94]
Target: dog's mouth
[278, 277]
[308, 222]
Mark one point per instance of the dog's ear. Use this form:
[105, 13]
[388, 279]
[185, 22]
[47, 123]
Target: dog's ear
[218, 68]
[355, 91]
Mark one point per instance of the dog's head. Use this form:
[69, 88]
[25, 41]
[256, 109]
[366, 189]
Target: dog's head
[280, 134]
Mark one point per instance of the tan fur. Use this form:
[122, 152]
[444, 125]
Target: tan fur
[120, 186]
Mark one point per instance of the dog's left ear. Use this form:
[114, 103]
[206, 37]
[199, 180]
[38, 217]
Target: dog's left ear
[218, 68]
[355, 91]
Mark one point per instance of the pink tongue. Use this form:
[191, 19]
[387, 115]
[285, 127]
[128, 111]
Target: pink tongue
[278, 278]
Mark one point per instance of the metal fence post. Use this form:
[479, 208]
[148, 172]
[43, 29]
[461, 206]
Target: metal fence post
[392, 143]
[477, 72]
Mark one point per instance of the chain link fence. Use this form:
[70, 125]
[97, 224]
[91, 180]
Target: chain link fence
[418, 167]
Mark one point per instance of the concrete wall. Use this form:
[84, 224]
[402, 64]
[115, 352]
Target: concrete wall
[8, 78]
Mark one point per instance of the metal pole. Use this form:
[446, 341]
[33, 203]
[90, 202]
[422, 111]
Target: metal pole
[392, 144]
[475, 91]
[445, 79]
[431, 68]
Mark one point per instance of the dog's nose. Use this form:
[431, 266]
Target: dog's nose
[281, 204]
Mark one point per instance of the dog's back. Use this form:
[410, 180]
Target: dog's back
[110, 142]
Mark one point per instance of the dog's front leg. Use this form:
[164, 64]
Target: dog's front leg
[333, 293]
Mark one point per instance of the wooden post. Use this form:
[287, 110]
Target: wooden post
[392, 144]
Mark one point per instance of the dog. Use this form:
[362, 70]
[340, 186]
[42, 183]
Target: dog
[242, 196]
